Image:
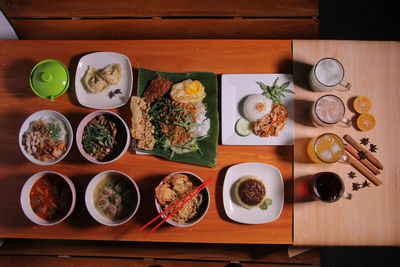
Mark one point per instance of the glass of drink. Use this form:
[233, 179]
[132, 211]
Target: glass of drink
[328, 187]
[327, 148]
[329, 110]
[326, 74]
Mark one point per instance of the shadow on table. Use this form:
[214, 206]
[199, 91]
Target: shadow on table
[17, 81]
[301, 71]
[80, 217]
[219, 194]
[302, 189]
[10, 190]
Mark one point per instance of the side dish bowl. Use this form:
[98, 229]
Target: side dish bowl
[204, 206]
[27, 201]
[48, 114]
[116, 150]
[94, 192]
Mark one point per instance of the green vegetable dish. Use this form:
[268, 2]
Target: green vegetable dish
[175, 115]
[103, 138]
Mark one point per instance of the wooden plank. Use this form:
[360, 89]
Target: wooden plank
[182, 251]
[158, 8]
[217, 56]
[372, 216]
[130, 29]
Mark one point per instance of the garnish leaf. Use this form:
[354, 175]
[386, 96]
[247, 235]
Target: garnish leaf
[275, 92]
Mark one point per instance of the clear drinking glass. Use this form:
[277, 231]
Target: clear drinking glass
[329, 110]
[326, 75]
[327, 148]
[328, 187]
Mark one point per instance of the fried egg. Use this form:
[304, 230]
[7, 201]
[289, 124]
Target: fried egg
[188, 91]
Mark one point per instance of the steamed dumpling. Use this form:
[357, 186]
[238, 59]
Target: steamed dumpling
[111, 73]
[93, 82]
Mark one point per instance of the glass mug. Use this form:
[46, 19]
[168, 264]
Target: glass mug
[328, 187]
[327, 148]
[329, 110]
[326, 74]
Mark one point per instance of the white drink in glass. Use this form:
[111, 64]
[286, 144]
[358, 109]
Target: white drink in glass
[326, 74]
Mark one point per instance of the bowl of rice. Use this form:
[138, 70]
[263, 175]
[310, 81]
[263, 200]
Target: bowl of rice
[174, 187]
[45, 137]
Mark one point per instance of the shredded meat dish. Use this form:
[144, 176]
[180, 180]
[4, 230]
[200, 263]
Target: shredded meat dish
[273, 123]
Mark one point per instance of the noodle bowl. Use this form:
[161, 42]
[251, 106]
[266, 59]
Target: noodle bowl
[173, 188]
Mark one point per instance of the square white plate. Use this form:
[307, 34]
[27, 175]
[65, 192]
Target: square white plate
[101, 100]
[235, 88]
[273, 181]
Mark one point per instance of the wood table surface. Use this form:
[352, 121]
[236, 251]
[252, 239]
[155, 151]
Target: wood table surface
[372, 216]
[218, 56]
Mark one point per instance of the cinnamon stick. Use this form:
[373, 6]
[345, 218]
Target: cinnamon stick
[365, 162]
[359, 148]
[359, 167]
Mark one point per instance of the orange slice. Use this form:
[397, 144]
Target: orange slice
[362, 104]
[366, 122]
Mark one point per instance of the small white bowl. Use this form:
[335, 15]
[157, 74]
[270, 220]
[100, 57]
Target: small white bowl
[86, 120]
[26, 204]
[35, 116]
[205, 206]
[90, 205]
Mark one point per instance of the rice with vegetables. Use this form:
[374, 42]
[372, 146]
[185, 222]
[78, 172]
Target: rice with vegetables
[46, 139]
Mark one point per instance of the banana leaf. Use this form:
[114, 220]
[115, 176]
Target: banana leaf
[208, 146]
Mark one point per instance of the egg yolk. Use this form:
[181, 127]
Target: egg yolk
[194, 88]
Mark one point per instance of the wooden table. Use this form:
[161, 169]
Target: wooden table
[372, 216]
[18, 102]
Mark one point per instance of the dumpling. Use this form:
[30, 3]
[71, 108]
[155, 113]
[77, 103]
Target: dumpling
[111, 73]
[93, 82]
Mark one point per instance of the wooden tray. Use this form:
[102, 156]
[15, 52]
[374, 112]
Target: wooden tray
[242, 56]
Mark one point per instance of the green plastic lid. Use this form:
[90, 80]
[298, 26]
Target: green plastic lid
[49, 79]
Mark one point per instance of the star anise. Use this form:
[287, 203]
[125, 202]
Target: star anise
[362, 155]
[352, 175]
[364, 141]
[373, 148]
[365, 184]
[356, 186]
[111, 94]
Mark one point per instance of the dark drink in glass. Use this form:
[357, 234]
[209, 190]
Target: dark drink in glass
[328, 187]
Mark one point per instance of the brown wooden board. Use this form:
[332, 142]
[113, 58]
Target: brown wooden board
[183, 251]
[158, 8]
[218, 56]
[372, 216]
[130, 29]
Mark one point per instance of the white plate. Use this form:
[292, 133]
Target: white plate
[273, 181]
[102, 101]
[235, 87]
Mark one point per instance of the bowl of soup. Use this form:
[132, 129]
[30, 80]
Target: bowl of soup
[48, 198]
[112, 198]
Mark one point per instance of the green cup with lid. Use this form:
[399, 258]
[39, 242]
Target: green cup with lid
[49, 79]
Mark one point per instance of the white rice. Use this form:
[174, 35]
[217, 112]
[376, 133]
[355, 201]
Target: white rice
[256, 106]
[202, 120]
[57, 121]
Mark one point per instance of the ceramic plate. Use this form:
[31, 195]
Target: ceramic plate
[235, 88]
[273, 181]
[102, 100]
[45, 114]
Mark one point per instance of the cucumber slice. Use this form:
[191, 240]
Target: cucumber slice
[243, 127]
